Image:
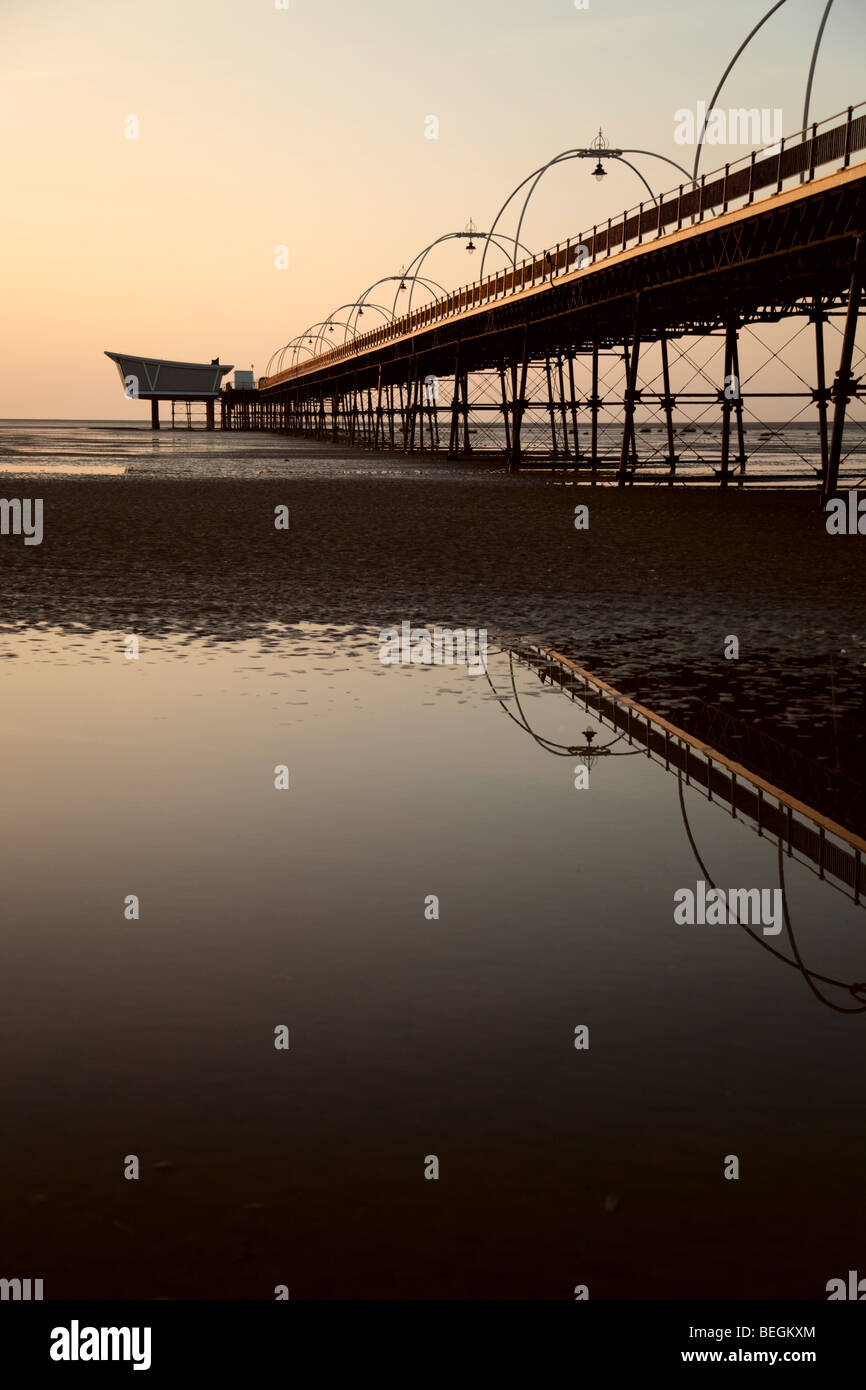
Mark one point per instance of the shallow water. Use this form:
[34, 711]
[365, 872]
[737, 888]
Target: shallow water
[128, 447]
[305, 907]
[408, 1037]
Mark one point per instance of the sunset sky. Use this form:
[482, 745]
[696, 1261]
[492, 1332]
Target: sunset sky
[260, 126]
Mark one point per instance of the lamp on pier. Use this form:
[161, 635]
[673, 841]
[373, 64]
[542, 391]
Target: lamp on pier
[599, 143]
[470, 230]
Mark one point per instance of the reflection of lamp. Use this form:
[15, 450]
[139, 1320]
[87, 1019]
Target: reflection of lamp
[589, 754]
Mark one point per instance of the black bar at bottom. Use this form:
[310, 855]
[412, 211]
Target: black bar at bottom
[393, 1343]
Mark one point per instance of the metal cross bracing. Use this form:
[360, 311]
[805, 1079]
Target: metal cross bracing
[603, 356]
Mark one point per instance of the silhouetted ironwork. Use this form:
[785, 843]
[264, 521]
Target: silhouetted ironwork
[495, 368]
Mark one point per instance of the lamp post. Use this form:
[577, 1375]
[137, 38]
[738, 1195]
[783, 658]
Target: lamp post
[470, 235]
[600, 144]
[404, 275]
[598, 150]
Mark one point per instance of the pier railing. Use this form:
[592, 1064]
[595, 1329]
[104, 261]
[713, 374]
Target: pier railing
[795, 159]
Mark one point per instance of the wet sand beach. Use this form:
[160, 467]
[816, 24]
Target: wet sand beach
[644, 598]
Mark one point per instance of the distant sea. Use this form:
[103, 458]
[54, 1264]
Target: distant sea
[129, 448]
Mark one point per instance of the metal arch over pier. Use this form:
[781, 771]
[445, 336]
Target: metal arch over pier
[597, 151]
[769, 238]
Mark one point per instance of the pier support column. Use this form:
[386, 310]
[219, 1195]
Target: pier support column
[727, 399]
[573, 411]
[209, 414]
[353, 418]
[519, 404]
[595, 403]
[842, 386]
[669, 404]
[453, 440]
[464, 387]
[819, 318]
[411, 409]
[154, 414]
[738, 409]
[631, 395]
[562, 404]
[378, 423]
[551, 409]
[506, 418]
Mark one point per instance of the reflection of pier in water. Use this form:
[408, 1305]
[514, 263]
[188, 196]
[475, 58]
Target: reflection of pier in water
[827, 848]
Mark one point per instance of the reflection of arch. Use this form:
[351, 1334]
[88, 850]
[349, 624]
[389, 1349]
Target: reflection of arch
[746, 41]
[546, 663]
[857, 990]
[558, 750]
[822, 845]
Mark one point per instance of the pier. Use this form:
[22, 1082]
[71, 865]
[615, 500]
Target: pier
[533, 363]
